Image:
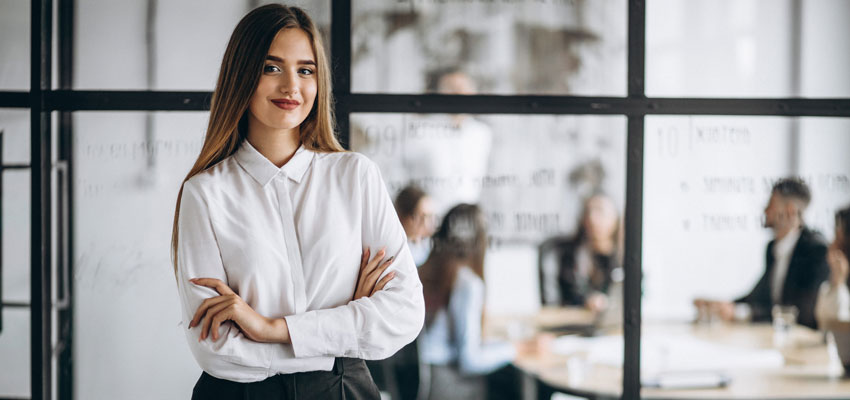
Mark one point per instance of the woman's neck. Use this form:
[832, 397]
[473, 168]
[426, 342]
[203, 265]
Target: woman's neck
[277, 145]
[601, 246]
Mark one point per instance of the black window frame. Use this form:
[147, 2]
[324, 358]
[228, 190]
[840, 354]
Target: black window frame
[42, 100]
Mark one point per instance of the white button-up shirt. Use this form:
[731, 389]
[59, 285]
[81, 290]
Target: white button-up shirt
[289, 242]
[783, 250]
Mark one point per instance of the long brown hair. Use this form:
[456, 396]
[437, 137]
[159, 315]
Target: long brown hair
[240, 73]
[460, 241]
[582, 236]
[842, 223]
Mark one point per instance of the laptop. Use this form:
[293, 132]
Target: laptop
[604, 321]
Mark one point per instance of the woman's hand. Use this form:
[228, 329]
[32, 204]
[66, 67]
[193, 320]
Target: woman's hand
[596, 302]
[535, 347]
[230, 307]
[838, 266]
[370, 271]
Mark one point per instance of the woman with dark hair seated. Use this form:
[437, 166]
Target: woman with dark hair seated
[585, 266]
[451, 344]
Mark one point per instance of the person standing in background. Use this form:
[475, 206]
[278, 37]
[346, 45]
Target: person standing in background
[796, 262]
[448, 155]
[834, 296]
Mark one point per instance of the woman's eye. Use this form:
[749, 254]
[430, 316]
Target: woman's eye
[305, 71]
[271, 68]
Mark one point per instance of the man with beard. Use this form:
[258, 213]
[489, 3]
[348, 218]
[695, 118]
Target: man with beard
[796, 262]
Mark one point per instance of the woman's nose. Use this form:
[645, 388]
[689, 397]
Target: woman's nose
[288, 83]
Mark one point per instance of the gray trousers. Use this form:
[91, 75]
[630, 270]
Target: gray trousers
[445, 382]
[348, 380]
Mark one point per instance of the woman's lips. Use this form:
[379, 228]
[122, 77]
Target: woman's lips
[286, 104]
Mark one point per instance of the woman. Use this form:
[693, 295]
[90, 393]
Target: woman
[589, 262]
[416, 212]
[834, 297]
[269, 227]
[453, 284]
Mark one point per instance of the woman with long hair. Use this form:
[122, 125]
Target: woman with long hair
[453, 284]
[274, 230]
[833, 302]
[589, 261]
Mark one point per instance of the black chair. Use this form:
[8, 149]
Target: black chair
[547, 268]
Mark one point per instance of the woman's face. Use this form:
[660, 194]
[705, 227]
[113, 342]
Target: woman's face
[288, 85]
[421, 224]
[600, 220]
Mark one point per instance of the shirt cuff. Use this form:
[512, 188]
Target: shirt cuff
[315, 335]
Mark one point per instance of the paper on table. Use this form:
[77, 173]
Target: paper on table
[671, 352]
[686, 380]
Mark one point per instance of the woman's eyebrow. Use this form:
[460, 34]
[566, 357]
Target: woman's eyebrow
[278, 59]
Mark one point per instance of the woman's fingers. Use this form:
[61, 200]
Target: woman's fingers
[216, 284]
[377, 272]
[366, 275]
[370, 270]
[199, 314]
[383, 282]
[364, 262]
[223, 290]
[218, 319]
[376, 261]
[364, 259]
[206, 329]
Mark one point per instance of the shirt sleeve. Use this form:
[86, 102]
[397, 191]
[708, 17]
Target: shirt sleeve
[373, 327]
[465, 312]
[233, 356]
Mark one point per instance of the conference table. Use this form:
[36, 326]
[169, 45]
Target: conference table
[591, 367]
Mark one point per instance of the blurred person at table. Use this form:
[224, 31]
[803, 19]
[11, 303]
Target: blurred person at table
[587, 263]
[398, 375]
[834, 297]
[416, 211]
[796, 262]
[451, 344]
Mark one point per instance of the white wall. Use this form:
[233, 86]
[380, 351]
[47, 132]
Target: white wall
[14, 45]
[711, 48]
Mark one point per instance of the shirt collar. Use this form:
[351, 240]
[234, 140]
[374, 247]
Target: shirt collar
[263, 170]
[785, 246]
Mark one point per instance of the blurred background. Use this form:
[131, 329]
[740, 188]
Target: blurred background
[706, 178]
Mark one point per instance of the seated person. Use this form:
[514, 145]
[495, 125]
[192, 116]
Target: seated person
[834, 297]
[416, 212]
[398, 375]
[582, 272]
[795, 261]
[451, 344]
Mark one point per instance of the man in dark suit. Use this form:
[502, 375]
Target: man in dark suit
[795, 261]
